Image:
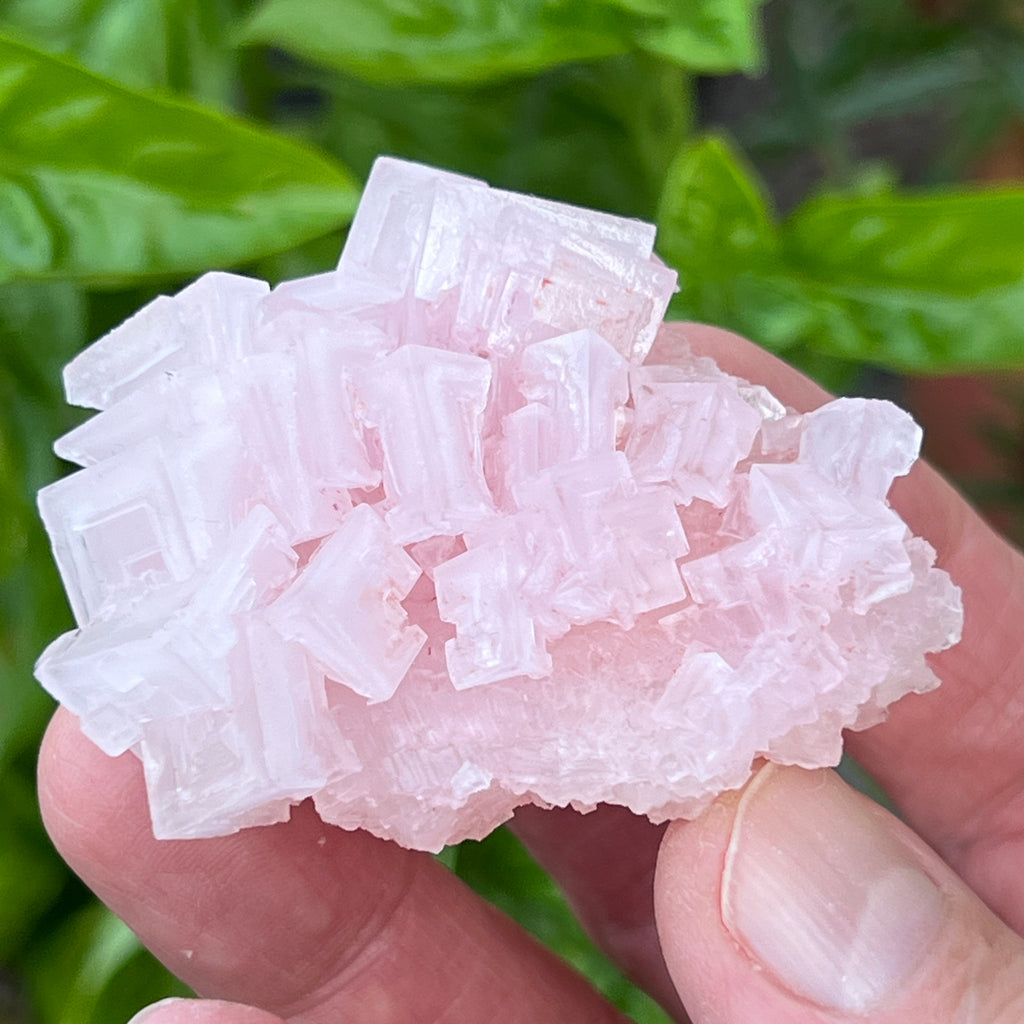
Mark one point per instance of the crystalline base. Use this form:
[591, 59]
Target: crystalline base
[423, 540]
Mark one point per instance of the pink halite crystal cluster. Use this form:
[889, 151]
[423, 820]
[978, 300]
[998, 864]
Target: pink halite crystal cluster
[421, 538]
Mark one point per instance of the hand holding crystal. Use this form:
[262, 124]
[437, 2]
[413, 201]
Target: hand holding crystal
[793, 901]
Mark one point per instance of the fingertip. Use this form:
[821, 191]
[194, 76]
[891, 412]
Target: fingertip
[676, 336]
[82, 790]
[799, 900]
[687, 902]
[68, 761]
[51, 751]
[203, 1011]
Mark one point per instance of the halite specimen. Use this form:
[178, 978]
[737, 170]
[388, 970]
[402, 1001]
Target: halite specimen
[422, 538]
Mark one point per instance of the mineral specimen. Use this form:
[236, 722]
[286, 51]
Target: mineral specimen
[421, 538]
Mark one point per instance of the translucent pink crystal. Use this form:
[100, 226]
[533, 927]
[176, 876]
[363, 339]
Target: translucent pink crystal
[427, 407]
[168, 657]
[345, 607]
[207, 323]
[421, 539]
[688, 433]
[574, 386]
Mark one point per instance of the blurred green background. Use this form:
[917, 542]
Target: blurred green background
[838, 179]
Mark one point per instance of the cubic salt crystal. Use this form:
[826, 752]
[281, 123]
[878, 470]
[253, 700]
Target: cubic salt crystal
[582, 289]
[276, 414]
[706, 694]
[117, 530]
[168, 659]
[328, 297]
[246, 765]
[575, 386]
[388, 233]
[332, 436]
[345, 607]
[208, 322]
[859, 445]
[427, 407]
[546, 268]
[420, 539]
[690, 433]
[591, 506]
[183, 406]
[483, 593]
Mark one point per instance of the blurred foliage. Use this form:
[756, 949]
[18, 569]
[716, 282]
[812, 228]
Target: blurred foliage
[102, 184]
[457, 41]
[145, 141]
[911, 282]
[180, 46]
[562, 133]
[838, 67]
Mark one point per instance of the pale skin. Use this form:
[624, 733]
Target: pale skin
[302, 922]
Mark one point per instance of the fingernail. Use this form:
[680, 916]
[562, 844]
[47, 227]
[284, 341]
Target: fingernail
[147, 1011]
[819, 892]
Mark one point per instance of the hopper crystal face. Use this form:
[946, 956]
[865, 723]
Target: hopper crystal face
[422, 538]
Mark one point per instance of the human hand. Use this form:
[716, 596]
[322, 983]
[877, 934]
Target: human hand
[796, 901]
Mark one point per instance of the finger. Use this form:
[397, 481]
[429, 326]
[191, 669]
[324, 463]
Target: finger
[604, 862]
[800, 901]
[951, 759]
[202, 1011]
[302, 920]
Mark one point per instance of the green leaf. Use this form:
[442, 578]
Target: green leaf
[921, 283]
[600, 134]
[178, 45]
[874, 94]
[476, 41]
[713, 213]
[713, 38]
[103, 184]
[932, 281]
[41, 327]
[501, 870]
[715, 228]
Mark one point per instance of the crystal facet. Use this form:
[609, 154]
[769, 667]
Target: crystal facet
[422, 539]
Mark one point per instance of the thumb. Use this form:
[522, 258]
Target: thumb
[202, 1011]
[799, 901]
